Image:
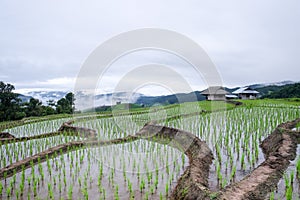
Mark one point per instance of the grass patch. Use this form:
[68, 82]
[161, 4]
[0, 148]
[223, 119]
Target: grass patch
[292, 102]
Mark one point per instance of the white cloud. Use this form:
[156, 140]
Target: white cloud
[61, 84]
[43, 45]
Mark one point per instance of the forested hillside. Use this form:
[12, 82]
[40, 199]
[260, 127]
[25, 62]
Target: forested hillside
[287, 91]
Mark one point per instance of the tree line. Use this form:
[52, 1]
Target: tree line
[287, 91]
[12, 108]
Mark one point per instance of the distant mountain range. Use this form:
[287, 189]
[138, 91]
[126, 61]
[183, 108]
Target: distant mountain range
[44, 96]
[267, 89]
[24, 98]
[123, 97]
[101, 100]
[282, 83]
[284, 91]
[264, 89]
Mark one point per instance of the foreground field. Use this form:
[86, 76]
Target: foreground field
[141, 168]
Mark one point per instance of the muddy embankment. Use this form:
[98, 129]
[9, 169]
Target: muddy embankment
[193, 184]
[66, 128]
[279, 148]
[6, 135]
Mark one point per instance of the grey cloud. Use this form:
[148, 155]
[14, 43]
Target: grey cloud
[249, 41]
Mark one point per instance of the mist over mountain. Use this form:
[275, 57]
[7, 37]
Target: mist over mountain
[98, 100]
[44, 96]
[24, 98]
[281, 83]
[285, 91]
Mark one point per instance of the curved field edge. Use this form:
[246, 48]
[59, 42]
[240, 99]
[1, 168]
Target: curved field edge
[206, 106]
[279, 148]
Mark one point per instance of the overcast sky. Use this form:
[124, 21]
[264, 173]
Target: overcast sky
[44, 43]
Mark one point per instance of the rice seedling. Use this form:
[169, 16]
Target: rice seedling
[141, 165]
[272, 196]
[70, 191]
[1, 188]
[292, 175]
[116, 194]
[160, 196]
[298, 168]
[8, 191]
[289, 193]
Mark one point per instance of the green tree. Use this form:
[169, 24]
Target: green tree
[66, 104]
[70, 97]
[287, 91]
[33, 107]
[9, 103]
[48, 110]
[51, 103]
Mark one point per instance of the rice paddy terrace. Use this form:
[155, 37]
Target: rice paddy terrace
[200, 150]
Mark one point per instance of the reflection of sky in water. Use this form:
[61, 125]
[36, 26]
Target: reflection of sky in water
[37, 128]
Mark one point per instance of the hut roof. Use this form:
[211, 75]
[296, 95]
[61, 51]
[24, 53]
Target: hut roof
[214, 90]
[245, 90]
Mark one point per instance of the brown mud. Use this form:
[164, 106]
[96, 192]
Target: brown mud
[5, 135]
[80, 131]
[279, 149]
[65, 129]
[236, 103]
[193, 184]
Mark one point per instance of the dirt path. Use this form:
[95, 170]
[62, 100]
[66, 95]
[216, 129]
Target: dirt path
[65, 129]
[193, 184]
[279, 149]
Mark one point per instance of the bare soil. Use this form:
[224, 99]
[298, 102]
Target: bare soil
[279, 149]
[193, 184]
[6, 135]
